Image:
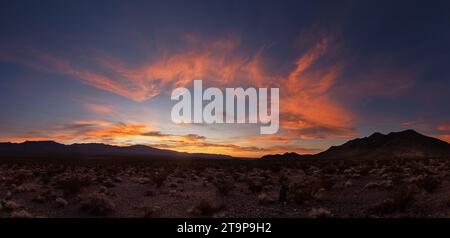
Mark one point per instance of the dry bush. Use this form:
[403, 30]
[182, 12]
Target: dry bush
[283, 193]
[301, 193]
[21, 214]
[365, 169]
[10, 205]
[210, 178]
[429, 183]
[97, 204]
[330, 169]
[265, 199]
[23, 174]
[223, 186]
[255, 187]
[320, 213]
[206, 208]
[151, 211]
[283, 180]
[326, 182]
[73, 185]
[149, 193]
[398, 201]
[160, 177]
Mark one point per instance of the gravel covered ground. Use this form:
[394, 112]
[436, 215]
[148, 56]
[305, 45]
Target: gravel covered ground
[212, 188]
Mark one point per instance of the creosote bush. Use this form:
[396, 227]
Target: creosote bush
[398, 201]
[97, 204]
[72, 185]
[206, 208]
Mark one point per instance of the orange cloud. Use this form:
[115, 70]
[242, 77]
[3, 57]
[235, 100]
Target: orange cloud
[270, 138]
[230, 149]
[444, 127]
[100, 109]
[307, 107]
[116, 133]
[25, 138]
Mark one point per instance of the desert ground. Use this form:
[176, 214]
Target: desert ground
[59, 188]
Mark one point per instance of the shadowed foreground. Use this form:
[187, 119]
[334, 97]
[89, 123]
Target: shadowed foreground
[225, 188]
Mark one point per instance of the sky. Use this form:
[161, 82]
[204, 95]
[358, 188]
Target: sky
[103, 71]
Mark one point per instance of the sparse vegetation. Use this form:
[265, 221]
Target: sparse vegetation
[429, 183]
[160, 177]
[72, 185]
[398, 201]
[223, 186]
[302, 194]
[255, 187]
[381, 188]
[97, 204]
[206, 208]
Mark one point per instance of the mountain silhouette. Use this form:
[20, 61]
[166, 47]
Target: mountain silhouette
[51, 148]
[404, 144]
[287, 155]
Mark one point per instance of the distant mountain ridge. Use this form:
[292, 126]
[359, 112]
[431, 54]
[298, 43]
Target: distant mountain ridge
[287, 155]
[404, 144]
[52, 148]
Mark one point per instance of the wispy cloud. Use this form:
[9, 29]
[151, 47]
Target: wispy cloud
[307, 108]
[100, 109]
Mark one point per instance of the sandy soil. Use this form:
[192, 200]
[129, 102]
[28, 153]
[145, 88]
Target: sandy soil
[333, 188]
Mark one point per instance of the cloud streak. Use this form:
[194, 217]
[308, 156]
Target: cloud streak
[307, 107]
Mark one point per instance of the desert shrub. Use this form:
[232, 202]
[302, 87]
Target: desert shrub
[173, 185]
[397, 178]
[21, 214]
[326, 182]
[275, 169]
[398, 201]
[97, 204]
[330, 169]
[223, 186]
[23, 174]
[302, 194]
[210, 178]
[206, 208]
[199, 171]
[365, 169]
[111, 171]
[283, 179]
[45, 179]
[320, 213]
[282, 194]
[255, 187]
[149, 212]
[429, 183]
[149, 193]
[72, 185]
[160, 177]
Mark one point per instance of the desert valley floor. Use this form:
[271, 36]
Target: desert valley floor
[225, 188]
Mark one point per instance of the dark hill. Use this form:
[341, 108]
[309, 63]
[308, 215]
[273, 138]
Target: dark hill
[404, 144]
[51, 148]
